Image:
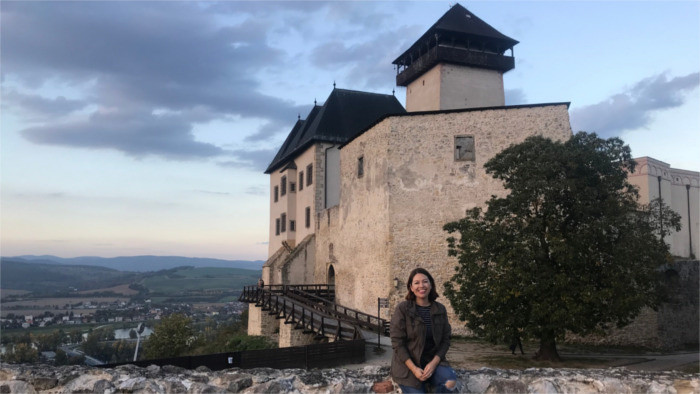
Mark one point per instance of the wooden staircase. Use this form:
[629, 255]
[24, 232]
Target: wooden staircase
[312, 308]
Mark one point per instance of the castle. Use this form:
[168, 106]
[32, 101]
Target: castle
[361, 188]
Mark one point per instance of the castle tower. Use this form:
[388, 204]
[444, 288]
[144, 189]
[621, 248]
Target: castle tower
[458, 63]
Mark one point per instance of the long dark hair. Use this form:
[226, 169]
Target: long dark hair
[412, 297]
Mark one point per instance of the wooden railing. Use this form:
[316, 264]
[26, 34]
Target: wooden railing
[269, 297]
[304, 315]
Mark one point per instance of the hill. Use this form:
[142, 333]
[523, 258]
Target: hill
[141, 263]
[50, 278]
[55, 278]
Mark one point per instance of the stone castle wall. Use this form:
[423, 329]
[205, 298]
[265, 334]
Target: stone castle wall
[390, 219]
[354, 236]
[27, 379]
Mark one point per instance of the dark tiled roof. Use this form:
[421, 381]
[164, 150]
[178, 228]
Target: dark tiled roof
[459, 23]
[344, 114]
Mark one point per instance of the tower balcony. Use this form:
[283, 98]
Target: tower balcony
[453, 55]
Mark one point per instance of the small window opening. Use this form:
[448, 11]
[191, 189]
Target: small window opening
[464, 148]
[360, 166]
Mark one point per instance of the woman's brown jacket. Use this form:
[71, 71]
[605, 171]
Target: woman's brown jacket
[408, 339]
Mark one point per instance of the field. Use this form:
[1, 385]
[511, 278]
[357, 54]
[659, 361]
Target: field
[54, 305]
[40, 311]
[121, 289]
[10, 292]
[201, 279]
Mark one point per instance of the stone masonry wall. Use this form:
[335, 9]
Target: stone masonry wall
[260, 322]
[429, 188]
[290, 337]
[390, 219]
[354, 236]
[29, 379]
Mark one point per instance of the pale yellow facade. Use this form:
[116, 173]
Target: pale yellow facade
[680, 190]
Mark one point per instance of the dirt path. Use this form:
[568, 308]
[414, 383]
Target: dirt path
[474, 355]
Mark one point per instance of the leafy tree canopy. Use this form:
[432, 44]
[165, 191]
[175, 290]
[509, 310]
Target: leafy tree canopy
[172, 337]
[567, 248]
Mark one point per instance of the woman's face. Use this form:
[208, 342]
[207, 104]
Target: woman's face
[420, 286]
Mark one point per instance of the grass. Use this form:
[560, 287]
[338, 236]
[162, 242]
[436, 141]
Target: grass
[526, 361]
[690, 368]
[470, 353]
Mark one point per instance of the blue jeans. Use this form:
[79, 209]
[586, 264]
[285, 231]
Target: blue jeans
[441, 375]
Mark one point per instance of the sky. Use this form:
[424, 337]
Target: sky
[143, 128]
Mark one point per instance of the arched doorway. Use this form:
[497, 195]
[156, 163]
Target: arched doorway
[331, 275]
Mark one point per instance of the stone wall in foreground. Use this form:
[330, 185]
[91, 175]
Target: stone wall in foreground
[27, 379]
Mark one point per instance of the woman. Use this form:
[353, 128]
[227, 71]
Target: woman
[420, 337]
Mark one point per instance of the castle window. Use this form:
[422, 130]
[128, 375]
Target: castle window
[283, 221]
[277, 226]
[309, 174]
[308, 217]
[464, 148]
[292, 225]
[283, 186]
[301, 180]
[292, 187]
[277, 191]
[360, 166]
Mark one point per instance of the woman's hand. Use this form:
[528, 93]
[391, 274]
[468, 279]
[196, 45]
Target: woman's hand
[429, 369]
[418, 373]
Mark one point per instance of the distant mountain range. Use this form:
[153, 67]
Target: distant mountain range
[140, 263]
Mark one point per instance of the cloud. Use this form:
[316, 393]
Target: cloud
[258, 190]
[38, 108]
[135, 134]
[257, 160]
[634, 108]
[140, 58]
[367, 63]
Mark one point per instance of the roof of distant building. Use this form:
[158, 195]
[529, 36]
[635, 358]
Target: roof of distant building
[344, 114]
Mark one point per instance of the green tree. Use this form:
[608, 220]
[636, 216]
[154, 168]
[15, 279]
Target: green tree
[567, 249]
[171, 337]
[21, 353]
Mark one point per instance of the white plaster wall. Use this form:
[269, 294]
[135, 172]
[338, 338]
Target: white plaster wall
[332, 176]
[470, 87]
[450, 86]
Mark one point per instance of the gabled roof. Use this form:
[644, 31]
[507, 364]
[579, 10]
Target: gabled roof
[344, 114]
[461, 24]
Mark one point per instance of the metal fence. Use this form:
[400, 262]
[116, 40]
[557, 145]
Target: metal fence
[320, 355]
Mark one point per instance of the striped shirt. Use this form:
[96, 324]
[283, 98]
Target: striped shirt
[429, 349]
